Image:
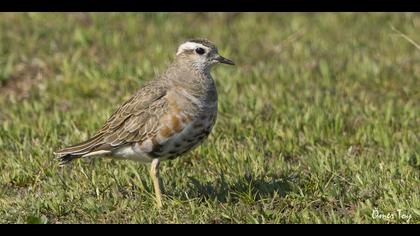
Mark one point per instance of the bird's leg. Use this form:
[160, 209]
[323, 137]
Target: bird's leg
[157, 181]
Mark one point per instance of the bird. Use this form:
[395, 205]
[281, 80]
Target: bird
[166, 118]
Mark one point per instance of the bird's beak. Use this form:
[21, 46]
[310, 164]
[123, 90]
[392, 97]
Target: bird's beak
[224, 60]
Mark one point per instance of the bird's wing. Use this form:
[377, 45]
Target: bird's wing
[137, 119]
[133, 121]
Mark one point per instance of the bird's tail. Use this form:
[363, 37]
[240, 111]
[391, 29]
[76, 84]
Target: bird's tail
[71, 153]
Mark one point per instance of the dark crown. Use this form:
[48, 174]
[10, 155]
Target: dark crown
[203, 41]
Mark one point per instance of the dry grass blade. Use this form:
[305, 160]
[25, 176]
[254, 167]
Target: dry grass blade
[406, 37]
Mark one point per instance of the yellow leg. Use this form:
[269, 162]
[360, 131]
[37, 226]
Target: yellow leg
[157, 181]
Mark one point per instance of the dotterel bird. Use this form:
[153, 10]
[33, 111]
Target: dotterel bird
[167, 117]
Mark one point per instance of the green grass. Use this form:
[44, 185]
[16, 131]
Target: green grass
[319, 121]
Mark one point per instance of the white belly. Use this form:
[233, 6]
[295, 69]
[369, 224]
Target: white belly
[131, 152]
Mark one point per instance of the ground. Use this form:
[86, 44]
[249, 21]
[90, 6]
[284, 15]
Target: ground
[318, 121]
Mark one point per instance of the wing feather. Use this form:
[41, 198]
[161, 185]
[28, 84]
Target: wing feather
[131, 122]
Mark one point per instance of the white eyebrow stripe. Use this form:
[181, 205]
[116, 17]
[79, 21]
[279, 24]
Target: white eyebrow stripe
[189, 46]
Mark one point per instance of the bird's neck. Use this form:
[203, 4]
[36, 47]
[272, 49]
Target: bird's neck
[196, 81]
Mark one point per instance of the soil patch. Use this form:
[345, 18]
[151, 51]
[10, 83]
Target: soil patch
[24, 78]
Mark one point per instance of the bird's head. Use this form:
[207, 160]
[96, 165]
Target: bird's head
[201, 54]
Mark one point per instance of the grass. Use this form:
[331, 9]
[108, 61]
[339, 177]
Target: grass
[318, 122]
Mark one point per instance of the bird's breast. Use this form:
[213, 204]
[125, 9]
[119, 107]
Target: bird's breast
[183, 129]
[188, 122]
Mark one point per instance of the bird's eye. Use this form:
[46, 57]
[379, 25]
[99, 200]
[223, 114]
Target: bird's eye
[200, 51]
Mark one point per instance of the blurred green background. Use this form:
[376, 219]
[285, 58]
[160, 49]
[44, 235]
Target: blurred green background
[318, 122]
